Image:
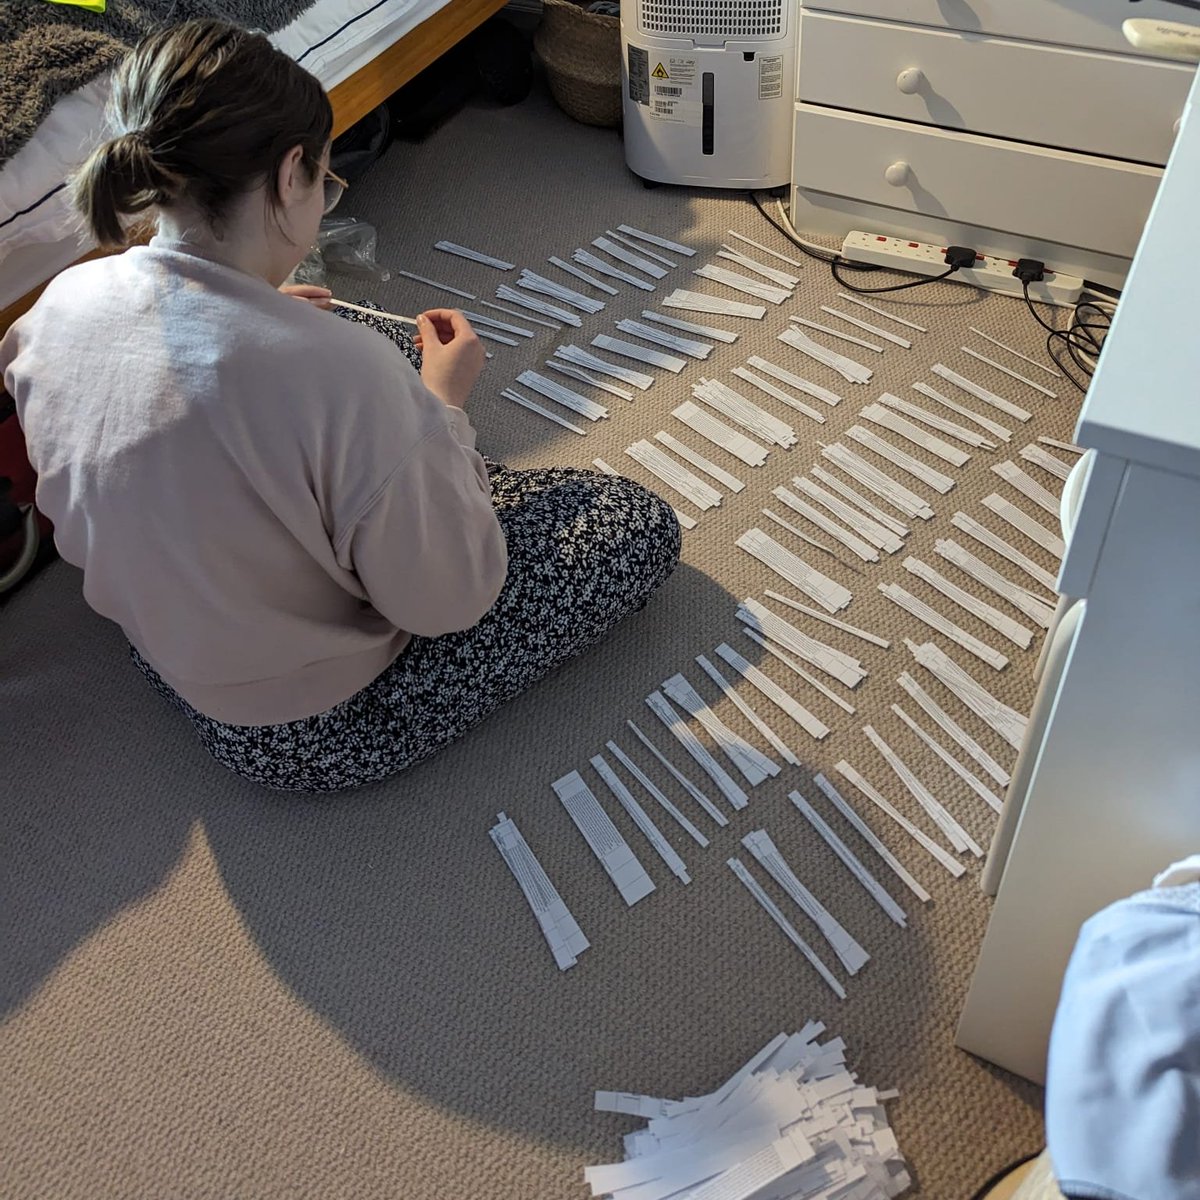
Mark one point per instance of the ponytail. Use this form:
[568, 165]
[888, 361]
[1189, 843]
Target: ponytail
[121, 178]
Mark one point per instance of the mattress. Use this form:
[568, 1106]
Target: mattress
[39, 233]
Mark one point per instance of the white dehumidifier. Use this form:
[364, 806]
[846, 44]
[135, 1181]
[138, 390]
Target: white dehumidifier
[709, 87]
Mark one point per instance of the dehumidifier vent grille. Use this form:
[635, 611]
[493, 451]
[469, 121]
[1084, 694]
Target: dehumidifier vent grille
[713, 18]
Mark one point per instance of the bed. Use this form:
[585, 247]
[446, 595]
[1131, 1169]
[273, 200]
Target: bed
[361, 50]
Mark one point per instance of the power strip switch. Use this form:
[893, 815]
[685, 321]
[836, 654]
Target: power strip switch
[994, 274]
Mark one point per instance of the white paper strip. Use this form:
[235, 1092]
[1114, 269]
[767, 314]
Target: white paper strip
[994, 428]
[464, 252]
[988, 338]
[869, 836]
[797, 532]
[571, 269]
[480, 319]
[560, 929]
[954, 430]
[744, 284]
[699, 302]
[745, 412]
[793, 380]
[912, 466]
[836, 333]
[558, 291]
[698, 460]
[852, 542]
[754, 766]
[433, 283]
[755, 636]
[843, 667]
[980, 392]
[615, 856]
[795, 262]
[707, 426]
[882, 484]
[943, 625]
[1068, 446]
[680, 778]
[562, 395]
[919, 836]
[581, 358]
[880, 536]
[853, 957]
[656, 241]
[1002, 624]
[655, 794]
[1007, 722]
[492, 336]
[881, 312]
[655, 358]
[642, 820]
[888, 419]
[976, 785]
[894, 338]
[708, 331]
[870, 884]
[512, 296]
[873, 511]
[587, 259]
[846, 367]
[776, 915]
[583, 377]
[958, 837]
[519, 315]
[779, 394]
[727, 689]
[991, 362]
[674, 475]
[874, 639]
[772, 274]
[636, 261]
[1027, 486]
[983, 535]
[660, 337]
[661, 707]
[653, 255]
[1032, 606]
[1034, 530]
[1047, 461]
[781, 699]
[949, 725]
[517, 398]
[828, 593]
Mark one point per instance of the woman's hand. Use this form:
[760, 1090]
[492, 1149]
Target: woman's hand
[452, 352]
[309, 292]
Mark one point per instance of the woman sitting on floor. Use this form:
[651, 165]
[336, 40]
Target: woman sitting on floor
[291, 525]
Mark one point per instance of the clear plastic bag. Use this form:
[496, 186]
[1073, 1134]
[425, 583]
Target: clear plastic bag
[345, 246]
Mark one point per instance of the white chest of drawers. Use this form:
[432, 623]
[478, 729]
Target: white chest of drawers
[1019, 127]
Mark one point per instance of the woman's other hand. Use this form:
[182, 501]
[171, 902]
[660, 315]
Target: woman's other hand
[452, 352]
[309, 292]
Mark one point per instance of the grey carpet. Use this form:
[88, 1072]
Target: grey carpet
[212, 992]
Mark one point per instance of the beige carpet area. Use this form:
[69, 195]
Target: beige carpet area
[209, 991]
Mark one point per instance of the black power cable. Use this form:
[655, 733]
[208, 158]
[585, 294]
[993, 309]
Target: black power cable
[1081, 341]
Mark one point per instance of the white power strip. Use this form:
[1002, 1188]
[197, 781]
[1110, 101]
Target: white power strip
[995, 274]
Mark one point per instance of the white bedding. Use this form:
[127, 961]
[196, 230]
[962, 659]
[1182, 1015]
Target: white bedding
[38, 231]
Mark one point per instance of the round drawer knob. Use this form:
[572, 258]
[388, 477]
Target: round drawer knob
[909, 80]
[898, 174]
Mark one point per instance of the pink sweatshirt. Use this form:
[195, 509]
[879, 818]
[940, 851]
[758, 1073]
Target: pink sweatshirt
[264, 496]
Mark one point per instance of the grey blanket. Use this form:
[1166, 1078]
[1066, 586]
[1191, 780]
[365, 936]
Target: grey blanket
[49, 50]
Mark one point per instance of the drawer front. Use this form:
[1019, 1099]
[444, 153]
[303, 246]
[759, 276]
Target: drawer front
[1081, 100]
[1092, 24]
[1068, 199]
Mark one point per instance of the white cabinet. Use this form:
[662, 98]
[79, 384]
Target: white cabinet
[1020, 127]
[1106, 791]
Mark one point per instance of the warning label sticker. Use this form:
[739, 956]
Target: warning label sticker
[639, 75]
[660, 72]
[678, 112]
[681, 70]
[770, 77]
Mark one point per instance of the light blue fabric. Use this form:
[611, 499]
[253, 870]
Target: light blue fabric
[1123, 1081]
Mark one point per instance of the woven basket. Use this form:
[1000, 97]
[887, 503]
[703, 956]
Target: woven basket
[582, 55]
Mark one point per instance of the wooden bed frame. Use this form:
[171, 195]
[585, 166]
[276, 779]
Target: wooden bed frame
[368, 87]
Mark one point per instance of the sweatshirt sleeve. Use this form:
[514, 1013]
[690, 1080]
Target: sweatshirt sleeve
[428, 549]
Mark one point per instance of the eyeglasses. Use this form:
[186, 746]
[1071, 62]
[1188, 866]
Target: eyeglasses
[334, 185]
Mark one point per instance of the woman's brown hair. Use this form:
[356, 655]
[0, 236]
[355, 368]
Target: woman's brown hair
[207, 111]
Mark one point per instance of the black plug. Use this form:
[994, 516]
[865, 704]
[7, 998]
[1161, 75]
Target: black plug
[958, 257]
[1030, 270]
